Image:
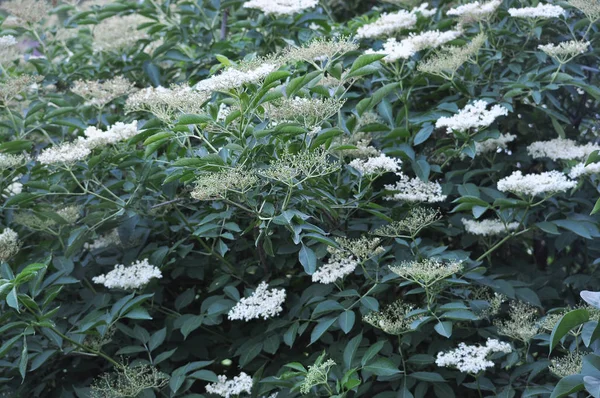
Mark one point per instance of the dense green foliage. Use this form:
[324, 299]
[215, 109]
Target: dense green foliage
[232, 189]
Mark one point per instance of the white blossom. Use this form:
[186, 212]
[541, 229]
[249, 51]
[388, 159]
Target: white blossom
[7, 41]
[227, 388]
[14, 188]
[281, 7]
[232, 78]
[542, 11]
[9, 244]
[406, 48]
[135, 276]
[377, 165]
[475, 11]
[415, 190]
[566, 50]
[535, 184]
[472, 116]
[581, 169]
[337, 267]
[494, 144]
[472, 358]
[561, 148]
[389, 23]
[108, 239]
[95, 137]
[262, 303]
[69, 152]
[8, 161]
[488, 227]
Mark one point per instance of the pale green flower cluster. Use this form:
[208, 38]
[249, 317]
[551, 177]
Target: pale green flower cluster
[447, 61]
[568, 365]
[309, 112]
[98, 94]
[565, 51]
[392, 319]
[294, 168]
[426, 272]
[416, 219]
[522, 323]
[216, 185]
[127, 381]
[317, 374]
[9, 244]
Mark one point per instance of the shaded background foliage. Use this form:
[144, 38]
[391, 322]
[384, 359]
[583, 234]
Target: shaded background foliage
[212, 253]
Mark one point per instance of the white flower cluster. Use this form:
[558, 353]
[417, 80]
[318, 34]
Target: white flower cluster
[542, 11]
[393, 22]
[81, 148]
[488, 227]
[581, 169]
[118, 32]
[472, 358]
[494, 144]
[535, 184]
[337, 267]
[167, 103]
[475, 11]
[9, 161]
[262, 303]
[406, 48]
[7, 41]
[9, 244]
[14, 188]
[472, 116]
[566, 50]
[108, 239]
[227, 388]
[377, 165]
[281, 7]
[561, 148]
[414, 190]
[135, 276]
[232, 78]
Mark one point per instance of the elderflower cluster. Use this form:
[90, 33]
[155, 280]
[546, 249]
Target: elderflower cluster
[232, 78]
[472, 358]
[591, 9]
[521, 323]
[135, 276]
[414, 43]
[71, 152]
[389, 23]
[392, 319]
[541, 11]
[360, 140]
[565, 51]
[28, 11]
[108, 239]
[363, 248]
[377, 165]
[320, 49]
[8, 161]
[447, 61]
[416, 219]
[306, 164]
[98, 94]
[476, 11]
[13, 86]
[118, 32]
[227, 388]
[7, 41]
[338, 266]
[581, 169]
[281, 7]
[8, 49]
[127, 381]
[167, 103]
[473, 116]
[426, 272]
[317, 374]
[415, 190]
[210, 186]
[570, 364]
[488, 227]
[69, 213]
[561, 148]
[9, 244]
[494, 144]
[263, 303]
[310, 112]
[548, 182]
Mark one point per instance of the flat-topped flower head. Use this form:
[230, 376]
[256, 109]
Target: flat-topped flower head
[565, 51]
[106, 240]
[473, 116]
[135, 276]
[488, 227]
[66, 153]
[310, 112]
[472, 358]
[167, 104]
[234, 387]
[581, 169]
[561, 149]
[541, 11]
[9, 244]
[393, 318]
[29, 11]
[281, 7]
[426, 272]
[415, 190]
[591, 8]
[216, 185]
[568, 365]
[450, 58]
[522, 323]
[9, 161]
[320, 49]
[414, 43]
[416, 219]
[307, 164]
[119, 32]
[263, 303]
[7, 41]
[548, 182]
[476, 11]
[232, 78]
[389, 23]
[126, 381]
[98, 94]
[494, 144]
[377, 165]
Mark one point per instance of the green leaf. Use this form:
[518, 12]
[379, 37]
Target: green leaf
[193, 119]
[346, 321]
[382, 367]
[566, 323]
[594, 157]
[568, 385]
[24, 359]
[592, 385]
[365, 60]
[157, 339]
[321, 328]
[590, 332]
[371, 352]
[592, 298]
[8, 344]
[351, 349]
[308, 259]
[462, 315]
[423, 134]
[12, 299]
[596, 207]
[427, 376]
[444, 329]
[138, 313]
[158, 137]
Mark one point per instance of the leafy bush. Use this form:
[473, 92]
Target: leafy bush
[286, 198]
